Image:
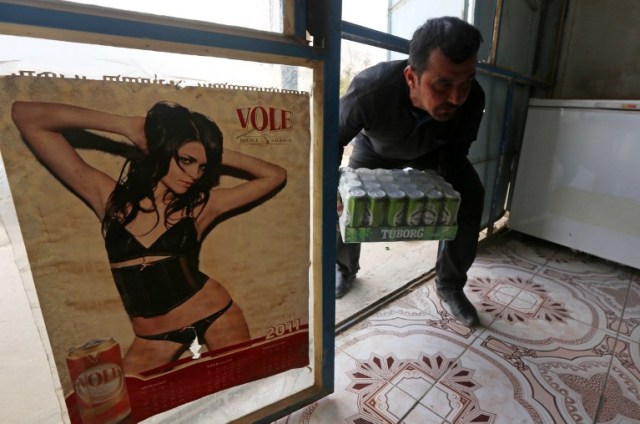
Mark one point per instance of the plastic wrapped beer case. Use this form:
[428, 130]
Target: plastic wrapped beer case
[382, 205]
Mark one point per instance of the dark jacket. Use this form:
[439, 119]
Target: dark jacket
[377, 114]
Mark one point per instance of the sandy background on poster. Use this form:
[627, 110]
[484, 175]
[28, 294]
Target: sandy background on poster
[260, 256]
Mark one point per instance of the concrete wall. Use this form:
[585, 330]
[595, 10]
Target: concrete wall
[600, 55]
[31, 391]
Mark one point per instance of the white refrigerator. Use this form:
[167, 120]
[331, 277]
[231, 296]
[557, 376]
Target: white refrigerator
[578, 177]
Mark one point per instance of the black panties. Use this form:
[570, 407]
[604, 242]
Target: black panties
[186, 335]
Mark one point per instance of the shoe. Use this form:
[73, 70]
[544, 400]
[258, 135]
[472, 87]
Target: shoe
[343, 283]
[460, 307]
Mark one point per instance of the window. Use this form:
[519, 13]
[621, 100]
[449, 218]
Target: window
[265, 15]
[40, 57]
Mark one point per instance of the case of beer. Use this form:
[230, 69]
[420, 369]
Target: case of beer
[396, 205]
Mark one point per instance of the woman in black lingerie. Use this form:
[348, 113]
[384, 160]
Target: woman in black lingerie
[154, 217]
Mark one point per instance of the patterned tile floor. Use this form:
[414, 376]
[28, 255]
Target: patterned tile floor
[559, 343]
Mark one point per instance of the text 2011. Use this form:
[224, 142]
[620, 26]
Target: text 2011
[281, 329]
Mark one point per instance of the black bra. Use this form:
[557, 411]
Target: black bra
[155, 288]
[180, 238]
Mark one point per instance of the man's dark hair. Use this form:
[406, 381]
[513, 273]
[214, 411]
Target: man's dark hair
[457, 39]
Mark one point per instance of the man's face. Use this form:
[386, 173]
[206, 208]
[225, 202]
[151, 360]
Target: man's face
[442, 87]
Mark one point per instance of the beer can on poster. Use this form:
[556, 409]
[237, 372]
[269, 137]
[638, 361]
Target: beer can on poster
[376, 208]
[98, 381]
[415, 208]
[396, 208]
[355, 207]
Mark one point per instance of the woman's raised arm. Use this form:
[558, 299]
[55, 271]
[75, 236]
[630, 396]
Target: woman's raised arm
[267, 178]
[41, 125]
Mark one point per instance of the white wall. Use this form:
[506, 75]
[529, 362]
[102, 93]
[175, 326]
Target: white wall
[600, 57]
[29, 384]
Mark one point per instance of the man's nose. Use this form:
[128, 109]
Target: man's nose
[456, 96]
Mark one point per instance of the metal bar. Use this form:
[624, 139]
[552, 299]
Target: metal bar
[508, 74]
[380, 303]
[371, 37]
[495, 36]
[485, 159]
[506, 124]
[330, 106]
[558, 46]
[300, 18]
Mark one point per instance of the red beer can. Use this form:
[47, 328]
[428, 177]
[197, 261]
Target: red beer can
[98, 381]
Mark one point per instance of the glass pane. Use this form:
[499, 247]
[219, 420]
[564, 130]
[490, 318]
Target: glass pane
[355, 57]
[406, 16]
[34, 56]
[368, 13]
[264, 15]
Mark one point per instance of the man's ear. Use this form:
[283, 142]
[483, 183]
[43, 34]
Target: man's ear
[411, 77]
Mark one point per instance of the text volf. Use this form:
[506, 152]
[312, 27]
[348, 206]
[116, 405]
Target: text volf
[263, 119]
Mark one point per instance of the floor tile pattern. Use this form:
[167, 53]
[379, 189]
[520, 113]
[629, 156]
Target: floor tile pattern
[559, 342]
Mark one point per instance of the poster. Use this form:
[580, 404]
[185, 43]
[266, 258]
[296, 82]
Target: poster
[250, 262]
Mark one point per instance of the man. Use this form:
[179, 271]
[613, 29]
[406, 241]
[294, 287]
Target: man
[423, 113]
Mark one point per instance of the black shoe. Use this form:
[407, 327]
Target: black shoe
[343, 283]
[460, 307]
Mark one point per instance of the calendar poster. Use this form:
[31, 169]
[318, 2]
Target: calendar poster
[167, 231]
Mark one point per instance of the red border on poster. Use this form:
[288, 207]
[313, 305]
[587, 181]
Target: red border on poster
[188, 379]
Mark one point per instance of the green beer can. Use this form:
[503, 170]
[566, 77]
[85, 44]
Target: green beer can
[368, 178]
[364, 171]
[388, 187]
[450, 206]
[385, 178]
[374, 215]
[372, 185]
[346, 178]
[355, 207]
[433, 206]
[381, 171]
[353, 183]
[396, 208]
[415, 207]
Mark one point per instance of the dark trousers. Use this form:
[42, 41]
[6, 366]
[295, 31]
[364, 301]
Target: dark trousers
[457, 256]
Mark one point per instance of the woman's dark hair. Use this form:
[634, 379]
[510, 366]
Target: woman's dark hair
[457, 39]
[167, 127]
